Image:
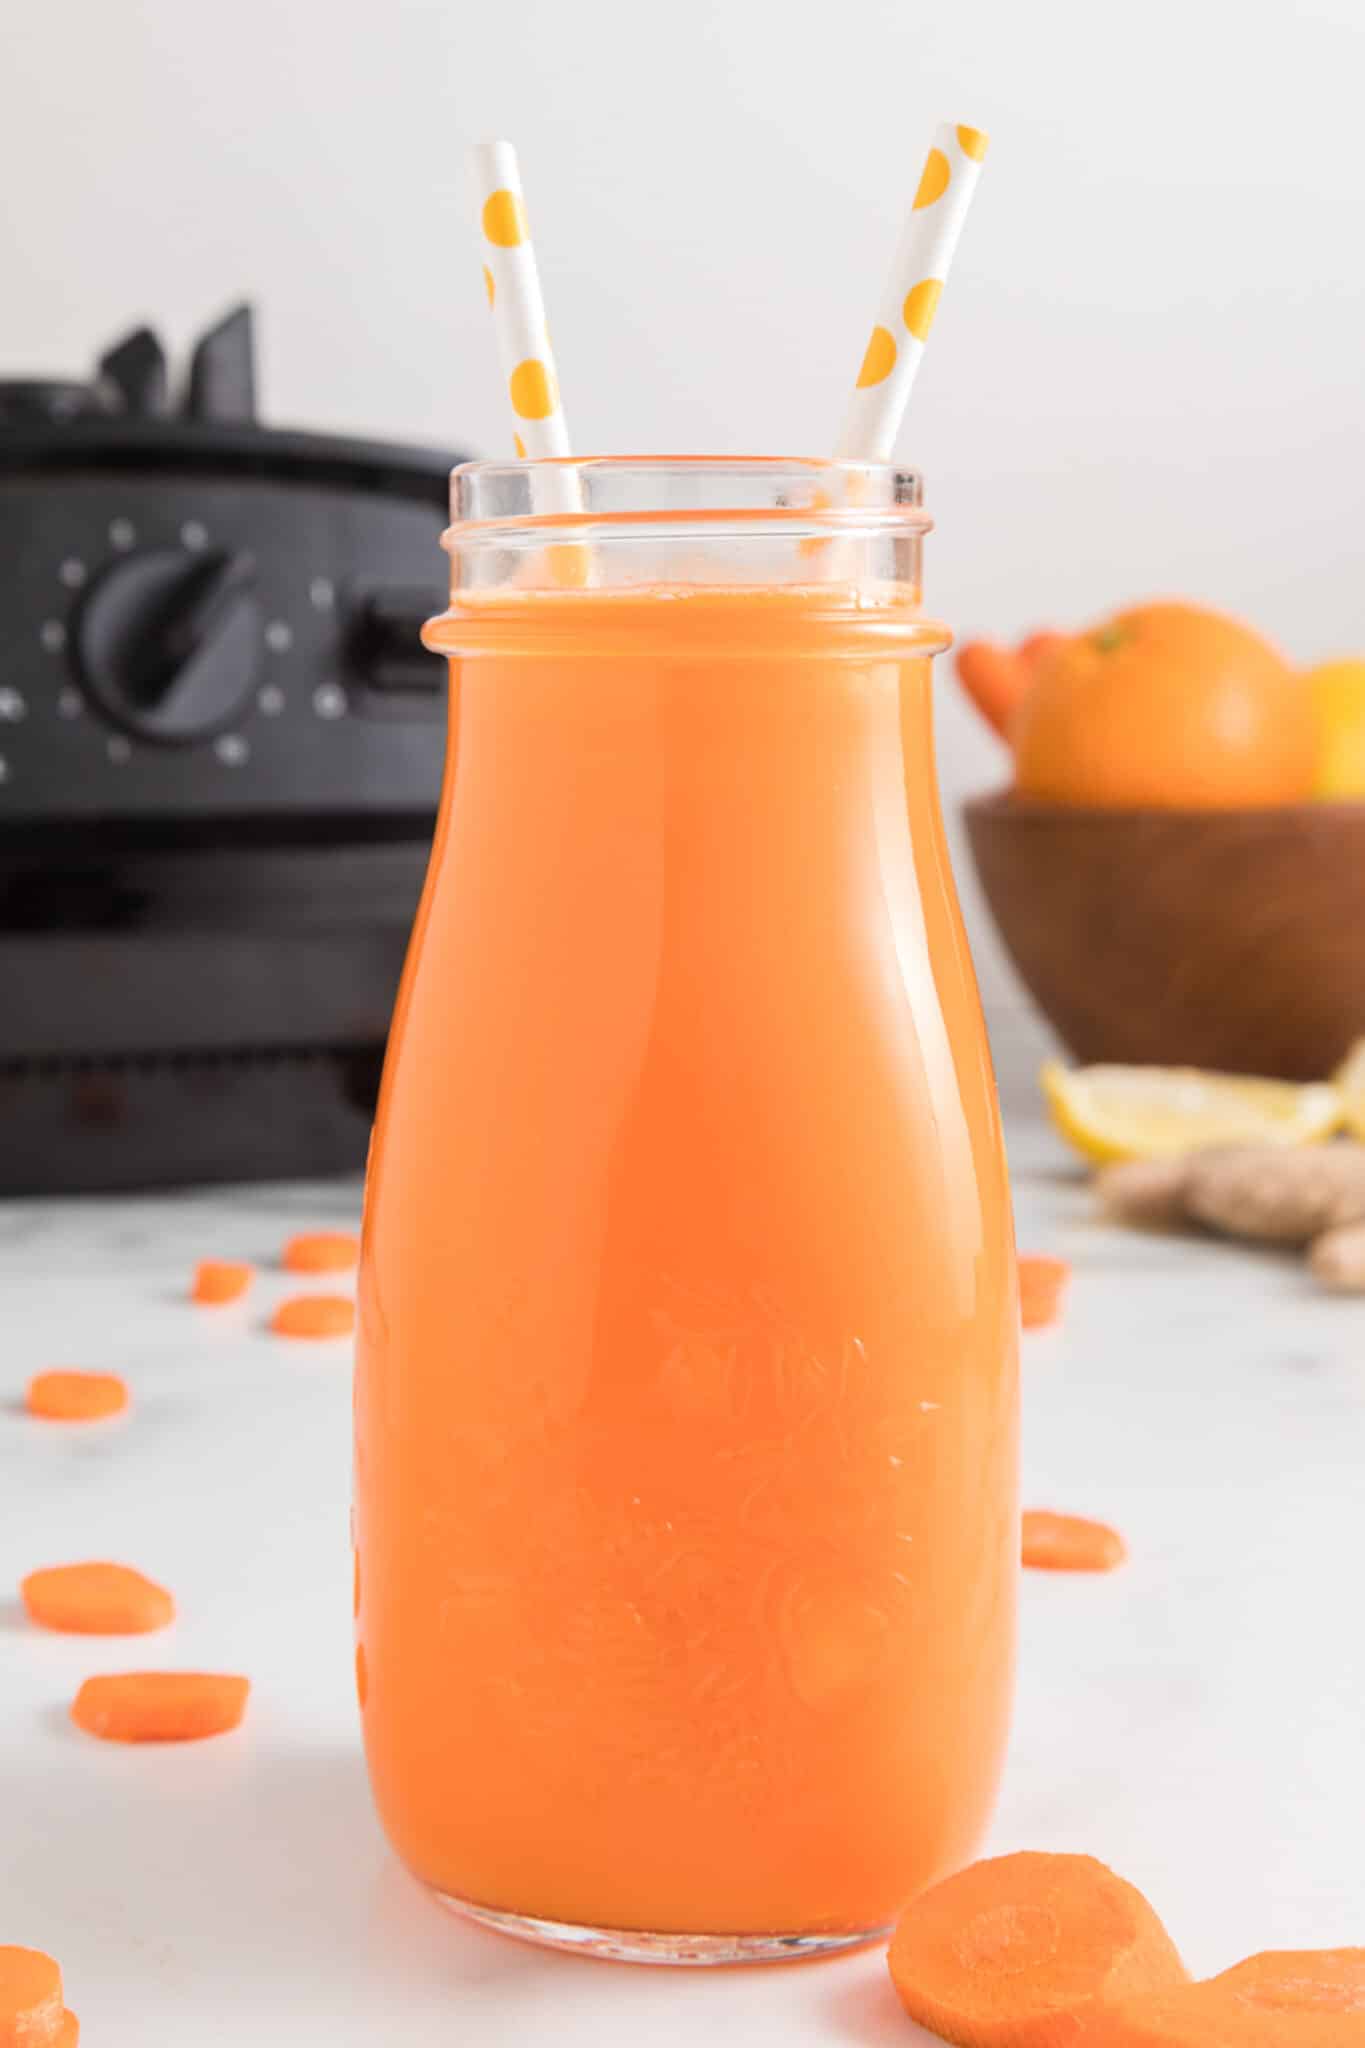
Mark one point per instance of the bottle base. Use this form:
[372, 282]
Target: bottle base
[634, 1945]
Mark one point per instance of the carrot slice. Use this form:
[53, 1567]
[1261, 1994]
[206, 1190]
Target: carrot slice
[995, 679]
[1042, 1289]
[314, 1315]
[96, 1600]
[76, 1396]
[1070, 1543]
[1011, 1953]
[1307, 1998]
[160, 1706]
[62, 2031]
[322, 1251]
[30, 1998]
[219, 1280]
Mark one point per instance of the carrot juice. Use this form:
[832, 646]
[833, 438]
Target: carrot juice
[686, 1505]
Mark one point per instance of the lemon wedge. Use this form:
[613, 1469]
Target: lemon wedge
[1159, 1112]
[1350, 1082]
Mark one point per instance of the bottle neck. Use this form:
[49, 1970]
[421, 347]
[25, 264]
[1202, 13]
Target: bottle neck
[850, 533]
[667, 622]
[731, 747]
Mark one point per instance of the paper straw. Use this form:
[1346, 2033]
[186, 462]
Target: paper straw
[513, 286]
[911, 294]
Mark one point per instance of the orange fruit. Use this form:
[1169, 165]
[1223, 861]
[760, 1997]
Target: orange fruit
[1166, 705]
[1338, 692]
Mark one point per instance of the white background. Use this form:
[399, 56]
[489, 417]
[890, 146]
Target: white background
[1145, 379]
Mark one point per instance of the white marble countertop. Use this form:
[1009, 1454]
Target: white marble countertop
[1196, 1720]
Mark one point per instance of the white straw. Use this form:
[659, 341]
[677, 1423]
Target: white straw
[911, 293]
[513, 286]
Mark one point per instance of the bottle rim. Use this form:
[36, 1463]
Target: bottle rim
[603, 497]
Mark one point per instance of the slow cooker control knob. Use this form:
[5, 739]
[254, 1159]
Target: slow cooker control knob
[169, 642]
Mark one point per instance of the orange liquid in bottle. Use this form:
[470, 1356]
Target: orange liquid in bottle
[686, 1396]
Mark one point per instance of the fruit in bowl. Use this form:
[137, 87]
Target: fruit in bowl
[1338, 692]
[1166, 706]
[1178, 870]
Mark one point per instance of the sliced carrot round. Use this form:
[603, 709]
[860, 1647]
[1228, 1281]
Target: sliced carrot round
[68, 2033]
[1070, 1543]
[314, 1315]
[322, 1251]
[1322, 1980]
[1042, 1289]
[1307, 1998]
[160, 1706]
[76, 1396]
[220, 1280]
[96, 1600]
[30, 1997]
[1011, 1953]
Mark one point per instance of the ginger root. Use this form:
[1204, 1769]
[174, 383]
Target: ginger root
[1266, 1193]
[1282, 1197]
[1337, 1259]
[1150, 1192]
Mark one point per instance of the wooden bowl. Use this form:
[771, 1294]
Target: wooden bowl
[1225, 939]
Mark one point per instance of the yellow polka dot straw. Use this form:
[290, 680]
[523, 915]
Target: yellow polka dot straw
[911, 294]
[512, 283]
